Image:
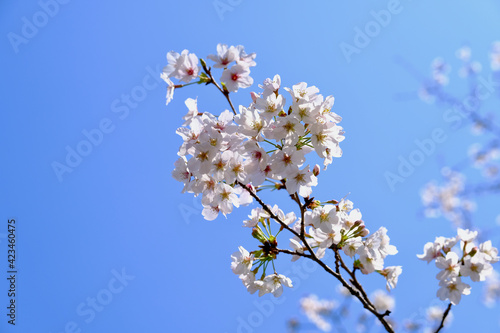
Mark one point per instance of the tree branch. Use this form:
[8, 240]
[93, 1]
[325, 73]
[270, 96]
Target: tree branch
[212, 80]
[445, 314]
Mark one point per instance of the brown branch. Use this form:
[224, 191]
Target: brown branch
[356, 291]
[353, 290]
[353, 279]
[445, 314]
[212, 80]
[267, 209]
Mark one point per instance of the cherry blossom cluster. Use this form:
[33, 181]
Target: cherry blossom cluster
[468, 260]
[455, 198]
[230, 157]
[326, 314]
[440, 71]
[265, 141]
[341, 226]
[247, 264]
[485, 159]
[185, 67]
[447, 199]
[318, 310]
[329, 226]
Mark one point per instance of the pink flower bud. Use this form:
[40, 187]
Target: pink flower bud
[254, 96]
[316, 170]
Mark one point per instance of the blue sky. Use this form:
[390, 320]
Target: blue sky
[113, 226]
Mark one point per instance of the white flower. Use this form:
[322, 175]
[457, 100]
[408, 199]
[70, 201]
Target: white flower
[452, 289]
[181, 172]
[256, 156]
[249, 282]
[250, 122]
[236, 169]
[238, 76]
[379, 241]
[225, 55]
[435, 313]
[323, 217]
[431, 252]
[440, 71]
[300, 92]
[245, 198]
[297, 246]
[241, 261]
[353, 217]
[466, 235]
[352, 245]
[477, 268]
[449, 265]
[183, 67]
[274, 284]
[192, 105]
[391, 274]
[463, 53]
[270, 106]
[382, 301]
[490, 252]
[256, 215]
[317, 310]
[286, 161]
[172, 58]
[307, 112]
[325, 239]
[226, 198]
[244, 58]
[288, 128]
[170, 87]
[203, 155]
[289, 218]
[220, 164]
[345, 205]
[325, 139]
[210, 212]
[369, 263]
[270, 86]
[301, 181]
[325, 111]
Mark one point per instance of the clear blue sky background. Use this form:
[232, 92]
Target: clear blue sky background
[119, 211]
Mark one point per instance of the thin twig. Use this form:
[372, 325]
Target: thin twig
[445, 314]
[352, 274]
[356, 291]
[212, 80]
[267, 209]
